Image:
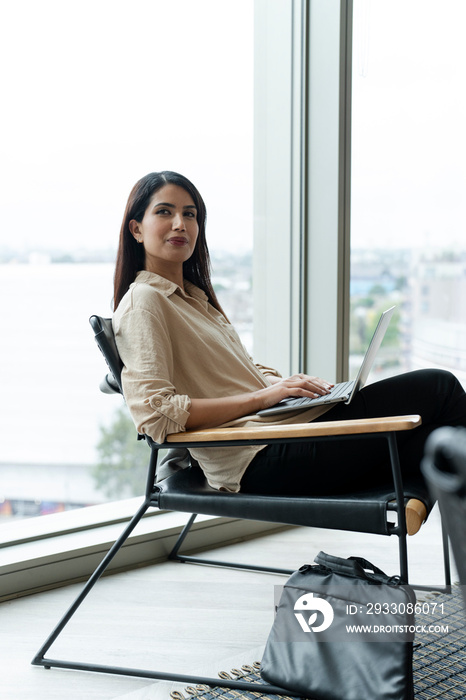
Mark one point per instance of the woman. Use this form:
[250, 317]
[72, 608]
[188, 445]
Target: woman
[185, 367]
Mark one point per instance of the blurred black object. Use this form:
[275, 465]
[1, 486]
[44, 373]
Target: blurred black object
[444, 468]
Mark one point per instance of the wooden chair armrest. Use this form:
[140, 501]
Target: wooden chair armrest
[300, 430]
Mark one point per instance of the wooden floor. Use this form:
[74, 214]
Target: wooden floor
[171, 616]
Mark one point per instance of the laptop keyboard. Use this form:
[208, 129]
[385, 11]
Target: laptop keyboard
[341, 389]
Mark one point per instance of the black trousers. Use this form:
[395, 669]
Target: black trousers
[339, 466]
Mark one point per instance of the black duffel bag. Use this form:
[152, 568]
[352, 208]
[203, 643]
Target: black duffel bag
[343, 630]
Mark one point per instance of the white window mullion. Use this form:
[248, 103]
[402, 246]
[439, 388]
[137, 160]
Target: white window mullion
[327, 186]
[277, 183]
[302, 179]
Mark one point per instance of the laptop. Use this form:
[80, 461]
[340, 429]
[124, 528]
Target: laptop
[344, 391]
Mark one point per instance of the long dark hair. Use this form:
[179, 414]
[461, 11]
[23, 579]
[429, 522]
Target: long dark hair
[130, 256]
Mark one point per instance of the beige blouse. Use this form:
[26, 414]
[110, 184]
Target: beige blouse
[175, 346]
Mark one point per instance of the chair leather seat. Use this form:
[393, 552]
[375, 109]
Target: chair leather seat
[188, 491]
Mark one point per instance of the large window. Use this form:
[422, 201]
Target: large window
[408, 182]
[96, 94]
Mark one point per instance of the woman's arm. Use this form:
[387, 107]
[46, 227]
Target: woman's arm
[210, 413]
[145, 346]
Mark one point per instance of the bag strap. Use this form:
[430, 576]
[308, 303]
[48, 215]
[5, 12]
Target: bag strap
[353, 566]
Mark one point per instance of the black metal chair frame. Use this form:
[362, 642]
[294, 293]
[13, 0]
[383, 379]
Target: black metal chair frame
[187, 491]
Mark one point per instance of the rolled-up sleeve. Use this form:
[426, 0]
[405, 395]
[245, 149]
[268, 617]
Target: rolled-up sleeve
[143, 342]
[268, 371]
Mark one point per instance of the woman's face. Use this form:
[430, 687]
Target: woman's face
[168, 230]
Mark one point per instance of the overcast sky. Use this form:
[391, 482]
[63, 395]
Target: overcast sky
[98, 93]
[409, 116]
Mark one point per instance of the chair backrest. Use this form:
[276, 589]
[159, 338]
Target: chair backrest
[103, 332]
[444, 467]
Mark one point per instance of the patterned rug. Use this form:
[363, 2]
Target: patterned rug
[439, 661]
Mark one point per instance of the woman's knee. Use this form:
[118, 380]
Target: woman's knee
[445, 381]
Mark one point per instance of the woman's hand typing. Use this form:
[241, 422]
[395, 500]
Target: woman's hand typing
[298, 385]
[209, 413]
